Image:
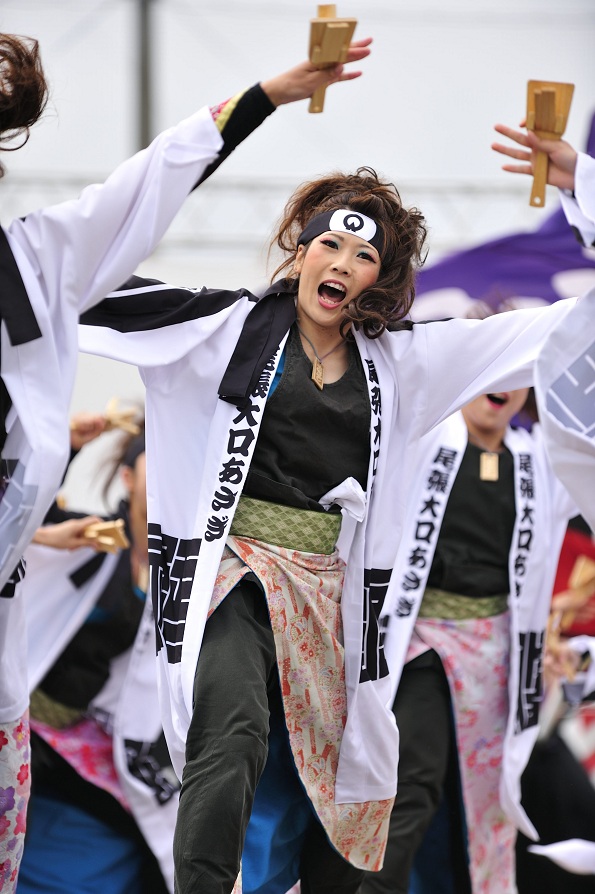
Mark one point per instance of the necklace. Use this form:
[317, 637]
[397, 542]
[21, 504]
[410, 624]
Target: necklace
[317, 367]
[489, 461]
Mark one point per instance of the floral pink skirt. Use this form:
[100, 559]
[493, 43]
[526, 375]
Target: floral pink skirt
[303, 592]
[88, 748]
[15, 782]
[475, 656]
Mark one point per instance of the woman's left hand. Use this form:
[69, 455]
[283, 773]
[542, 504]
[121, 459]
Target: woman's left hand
[301, 82]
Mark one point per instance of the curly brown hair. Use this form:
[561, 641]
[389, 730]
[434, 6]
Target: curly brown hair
[23, 89]
[404, 232]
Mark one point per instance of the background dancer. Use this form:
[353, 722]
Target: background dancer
[94, 684]
[486, 519]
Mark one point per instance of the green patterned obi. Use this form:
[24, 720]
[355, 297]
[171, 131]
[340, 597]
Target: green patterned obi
[46, 709]
[452, 607]
[298, 529]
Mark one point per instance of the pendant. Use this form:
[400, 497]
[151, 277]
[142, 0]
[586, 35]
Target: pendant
[318, 373]
[488, 466]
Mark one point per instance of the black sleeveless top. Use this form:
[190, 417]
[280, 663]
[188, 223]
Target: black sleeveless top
[471, 556]
[311, 440]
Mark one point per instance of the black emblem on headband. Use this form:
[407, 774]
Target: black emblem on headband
[353, 222]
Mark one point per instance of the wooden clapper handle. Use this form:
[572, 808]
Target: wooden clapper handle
[545, 119]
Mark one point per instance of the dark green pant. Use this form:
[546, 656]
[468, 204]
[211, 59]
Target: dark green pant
[236, 680]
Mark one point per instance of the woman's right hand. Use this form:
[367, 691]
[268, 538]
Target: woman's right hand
[85, 427]
[562, 157]
[68, 534]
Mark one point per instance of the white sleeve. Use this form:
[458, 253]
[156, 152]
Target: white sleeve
[152, 324]
[576, 855]
[580, 208]
[564, 388]
[78, 251]
[466, 358]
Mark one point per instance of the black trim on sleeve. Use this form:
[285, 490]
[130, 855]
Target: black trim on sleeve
[252, 109]
[144, 304]
[17, 314]
[15, 306]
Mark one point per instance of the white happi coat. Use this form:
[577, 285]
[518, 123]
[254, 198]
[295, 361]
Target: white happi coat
[543, 507]
[69, 257]
[579, 206]
[199, 449]
[565, 391]
[565, 372]
[59, 591]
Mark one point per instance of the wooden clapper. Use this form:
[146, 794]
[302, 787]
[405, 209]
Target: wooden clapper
[108, 536]
[123, 419]
[116, 418]
[548, 105]
[329, 44]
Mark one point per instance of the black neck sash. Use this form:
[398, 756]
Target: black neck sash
[18, 316]
[15, 306]
[263, 329]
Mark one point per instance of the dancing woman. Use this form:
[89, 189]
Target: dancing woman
[281, 437]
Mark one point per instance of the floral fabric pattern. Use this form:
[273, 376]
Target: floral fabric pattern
[475, 656]
[303, 592]
[87, 748]
[15, 784]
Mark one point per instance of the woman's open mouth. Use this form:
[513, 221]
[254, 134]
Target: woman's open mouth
[497, 400]
[331, 293]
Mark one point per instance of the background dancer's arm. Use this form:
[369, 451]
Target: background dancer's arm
[78, 251]
[571, 171]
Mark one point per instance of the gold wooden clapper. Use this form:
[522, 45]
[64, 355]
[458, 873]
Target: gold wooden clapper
[548, 105]
[122, 419]
[108, 536]
[330, 38]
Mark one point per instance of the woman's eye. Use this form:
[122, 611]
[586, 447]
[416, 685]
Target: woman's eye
[330, 242]
[367, 257]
